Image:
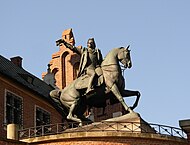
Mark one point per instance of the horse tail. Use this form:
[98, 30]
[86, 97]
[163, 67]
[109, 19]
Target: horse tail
[55, 94]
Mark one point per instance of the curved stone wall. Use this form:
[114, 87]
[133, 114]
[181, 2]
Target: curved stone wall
[107, 138]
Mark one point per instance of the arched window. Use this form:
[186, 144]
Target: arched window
[75, 70]
[64, 68]
[54, 71]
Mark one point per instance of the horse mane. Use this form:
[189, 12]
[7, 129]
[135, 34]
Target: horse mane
[112, 54]
[113, 51]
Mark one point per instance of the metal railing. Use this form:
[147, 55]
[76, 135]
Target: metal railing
[131, 127]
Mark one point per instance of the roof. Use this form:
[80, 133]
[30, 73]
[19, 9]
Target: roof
[23, 77]
[26, 79]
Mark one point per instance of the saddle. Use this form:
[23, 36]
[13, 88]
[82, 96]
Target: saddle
[82, 81]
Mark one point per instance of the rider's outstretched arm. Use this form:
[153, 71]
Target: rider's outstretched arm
[78, 50]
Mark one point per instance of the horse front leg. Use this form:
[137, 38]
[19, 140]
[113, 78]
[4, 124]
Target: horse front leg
[116, 92]
[129, 93]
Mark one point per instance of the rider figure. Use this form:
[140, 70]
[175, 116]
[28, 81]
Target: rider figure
[91, 59]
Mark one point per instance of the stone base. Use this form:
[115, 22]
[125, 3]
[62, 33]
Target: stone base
[132, 122]
[130, 117]
[129, 123]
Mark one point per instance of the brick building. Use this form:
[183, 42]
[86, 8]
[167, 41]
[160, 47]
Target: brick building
[64, 63]
[24, 98]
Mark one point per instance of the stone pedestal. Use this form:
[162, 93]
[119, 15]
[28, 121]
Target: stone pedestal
[131, 123]
[128, 123]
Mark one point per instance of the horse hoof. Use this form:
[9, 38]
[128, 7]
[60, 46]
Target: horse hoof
[130, 110]
[132, 107]
[80, 124]
[138, 94]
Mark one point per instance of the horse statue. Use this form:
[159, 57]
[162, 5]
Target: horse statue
[110, 85]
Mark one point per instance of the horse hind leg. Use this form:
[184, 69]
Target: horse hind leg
[70, 115]
[130, 93]
[70, 101]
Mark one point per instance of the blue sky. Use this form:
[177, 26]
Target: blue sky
[158, 32]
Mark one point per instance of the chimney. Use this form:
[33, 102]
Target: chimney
[17, 61]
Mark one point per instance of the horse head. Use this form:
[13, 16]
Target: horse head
[124, 57]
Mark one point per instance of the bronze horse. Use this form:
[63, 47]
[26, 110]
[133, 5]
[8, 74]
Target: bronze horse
[113, 87]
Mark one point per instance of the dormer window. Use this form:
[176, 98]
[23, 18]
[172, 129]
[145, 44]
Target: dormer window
[27, 78]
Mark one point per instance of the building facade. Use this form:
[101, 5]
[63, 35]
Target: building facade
[25, 98]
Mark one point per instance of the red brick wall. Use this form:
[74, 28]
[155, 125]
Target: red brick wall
[64, 61]
[2, 131]
[29, 101]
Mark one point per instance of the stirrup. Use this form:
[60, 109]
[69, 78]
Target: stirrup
[90, 92]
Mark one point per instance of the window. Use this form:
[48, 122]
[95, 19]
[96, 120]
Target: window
[42, 121]
[101, 112]
[13, 109]
[64, 64]
[42, 117]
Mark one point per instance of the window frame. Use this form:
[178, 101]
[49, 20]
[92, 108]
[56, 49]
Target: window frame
[35, 114]
[14, 95]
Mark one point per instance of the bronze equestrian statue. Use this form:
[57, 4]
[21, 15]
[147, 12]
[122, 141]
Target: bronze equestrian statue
[109, 84]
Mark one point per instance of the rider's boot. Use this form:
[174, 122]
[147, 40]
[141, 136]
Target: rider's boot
[90, 88]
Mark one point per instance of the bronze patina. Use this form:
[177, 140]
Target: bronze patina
[105, 81]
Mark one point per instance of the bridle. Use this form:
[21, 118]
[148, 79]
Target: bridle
[123, 61]
[125, 58]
